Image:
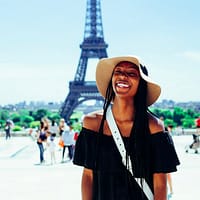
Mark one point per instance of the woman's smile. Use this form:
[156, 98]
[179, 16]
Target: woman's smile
[122, 84]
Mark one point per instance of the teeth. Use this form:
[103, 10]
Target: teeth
[122, 85]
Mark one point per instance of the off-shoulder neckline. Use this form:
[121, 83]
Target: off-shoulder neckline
[153, 135]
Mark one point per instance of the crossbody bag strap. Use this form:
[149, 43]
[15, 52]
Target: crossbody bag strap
[120, 145]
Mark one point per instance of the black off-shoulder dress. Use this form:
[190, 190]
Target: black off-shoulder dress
[111, 180]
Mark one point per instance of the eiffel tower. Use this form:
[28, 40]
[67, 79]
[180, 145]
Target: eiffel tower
[93, 46]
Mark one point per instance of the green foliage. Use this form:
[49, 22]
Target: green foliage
[164, 113]
[178, 115]
[39, 114]
[4, 115]
[157, 112]
[77, 126]
[35, 124]
[54, 116]
[16, 128]
[169, 122]
[27, 119]
[15, 117]
[21, 119]
[2, 123]
[24, 112]
[76, 116]
[167, 114]
[31, 119]
[188, 122]
[191, 113]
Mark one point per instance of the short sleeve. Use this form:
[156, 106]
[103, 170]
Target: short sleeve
[164, 156]
[85, 149]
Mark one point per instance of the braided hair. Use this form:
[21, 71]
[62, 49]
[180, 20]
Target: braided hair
[138, 146]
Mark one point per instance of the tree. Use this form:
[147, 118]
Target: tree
[157, 112]
[191, 113]
[188, 123]
[15, 117]
[4, 115]
[54, 116]
[39, 114]
[35, 124]
[167, 114]
[26, 120]
[169, 122]
[178, 115]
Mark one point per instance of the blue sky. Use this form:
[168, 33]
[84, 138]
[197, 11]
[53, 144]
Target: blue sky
[39, 45]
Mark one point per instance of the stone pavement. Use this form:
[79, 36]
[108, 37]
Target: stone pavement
[186, 180]
[22, 179]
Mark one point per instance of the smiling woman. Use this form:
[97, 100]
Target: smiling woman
[123, 149]
[125, 79]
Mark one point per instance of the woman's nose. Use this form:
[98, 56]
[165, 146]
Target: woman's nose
[124, 74]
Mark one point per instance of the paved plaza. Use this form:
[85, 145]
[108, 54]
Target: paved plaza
[23, 179]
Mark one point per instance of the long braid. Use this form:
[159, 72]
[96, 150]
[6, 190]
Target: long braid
[108, 99]
[139, 139]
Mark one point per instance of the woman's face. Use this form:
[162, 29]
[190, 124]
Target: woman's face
[125, 79]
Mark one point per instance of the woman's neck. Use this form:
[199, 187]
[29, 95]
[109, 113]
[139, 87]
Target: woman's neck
[123, 111]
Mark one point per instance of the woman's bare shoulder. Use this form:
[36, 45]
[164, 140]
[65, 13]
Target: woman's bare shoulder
[92, 120]
[155, 124]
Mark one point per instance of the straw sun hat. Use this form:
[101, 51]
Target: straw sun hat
[105, 69]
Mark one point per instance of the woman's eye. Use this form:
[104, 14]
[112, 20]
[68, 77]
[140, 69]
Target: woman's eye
[123, 73]
[132, 74]
[118, 73]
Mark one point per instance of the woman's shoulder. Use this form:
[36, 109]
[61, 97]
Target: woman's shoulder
[155, 124]
[92, 120]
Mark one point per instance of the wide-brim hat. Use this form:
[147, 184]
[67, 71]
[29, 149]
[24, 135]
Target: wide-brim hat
[104, 72]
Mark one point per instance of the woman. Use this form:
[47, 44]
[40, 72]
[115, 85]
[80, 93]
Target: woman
[8, 129]
[42, 135]
[62, 126]
[68, 139]
[124, 83]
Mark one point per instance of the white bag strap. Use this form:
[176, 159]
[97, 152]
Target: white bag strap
[120, 145]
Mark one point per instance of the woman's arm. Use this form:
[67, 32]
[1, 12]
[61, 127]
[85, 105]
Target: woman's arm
[87, 184]
[160, 186]
[92, 122]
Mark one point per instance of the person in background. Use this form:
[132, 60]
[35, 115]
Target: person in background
[46, 123]
[197, 124]
[42, 135]
[68, 139]
[169, 175]
[137, 146]
[54, 128]
[62, 126]
[195, 136]
[168, 129]
[169, 183]
[8, 129]
[52, 146]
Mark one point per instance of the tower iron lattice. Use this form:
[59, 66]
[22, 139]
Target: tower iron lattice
[93, 46]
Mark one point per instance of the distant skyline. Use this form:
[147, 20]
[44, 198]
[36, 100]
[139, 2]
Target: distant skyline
[39, 45]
